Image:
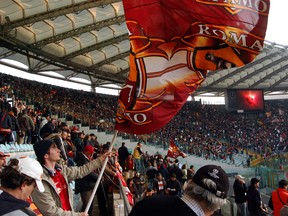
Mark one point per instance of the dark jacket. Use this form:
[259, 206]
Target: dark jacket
[14, 206]
[161, 205]
[254, 201]
[240, 192]
[88, 182]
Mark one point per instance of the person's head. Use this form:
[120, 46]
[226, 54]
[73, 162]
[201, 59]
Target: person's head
[93, 137]
[254, 182]
[159, 176]
[64, 134]
[21, 176]
[88, 151]
[283, 184]
[123, 144]
[173, 177]
[129, 181]
[46, 150]
[209, 187]
[3, 159]
[105, 147]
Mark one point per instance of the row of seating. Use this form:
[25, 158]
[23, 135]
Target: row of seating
[14, 148]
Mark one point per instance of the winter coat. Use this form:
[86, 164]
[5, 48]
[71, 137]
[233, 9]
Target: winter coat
[11, 206]
[49, 202]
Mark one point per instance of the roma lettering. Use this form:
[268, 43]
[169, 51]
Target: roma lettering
[231, 38]
[258, 5]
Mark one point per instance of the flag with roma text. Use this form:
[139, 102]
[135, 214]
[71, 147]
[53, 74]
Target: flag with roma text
[174, 44]
[174, 151]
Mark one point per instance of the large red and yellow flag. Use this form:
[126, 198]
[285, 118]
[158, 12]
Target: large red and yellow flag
[174, 44]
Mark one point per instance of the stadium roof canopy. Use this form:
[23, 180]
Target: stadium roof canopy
[86, 41]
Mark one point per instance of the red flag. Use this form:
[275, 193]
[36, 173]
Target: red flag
[174, 44]
[174, 151]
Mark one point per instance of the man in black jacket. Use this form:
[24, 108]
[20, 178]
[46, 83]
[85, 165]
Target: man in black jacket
[240, 192]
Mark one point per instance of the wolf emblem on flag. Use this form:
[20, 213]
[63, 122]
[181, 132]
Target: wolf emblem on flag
[173, 46]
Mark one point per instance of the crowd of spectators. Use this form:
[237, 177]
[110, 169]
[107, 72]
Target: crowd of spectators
[205, 130]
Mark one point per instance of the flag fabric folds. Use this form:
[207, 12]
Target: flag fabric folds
[174, 44]
[174, 151]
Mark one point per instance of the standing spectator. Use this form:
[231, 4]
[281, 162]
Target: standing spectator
[190, 172]
[15, 128]
[57, 199]
[5, 123]
[159, 184]
[85, 185]
[202, 196]
[46, 117]
[26, 126]
[129, 167]
[79, 141]
[151, 174]
[139, 182]
[137, 155]
[255, 205]
[18, 181]
[280, 197]
[185, 173]
[163, 170]
[174, 168]
[132, 188]
[240, 192]
[173, 186]
[3, 160]
[122, 154]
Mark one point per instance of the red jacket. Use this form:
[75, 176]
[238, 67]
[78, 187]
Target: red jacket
[277, 204]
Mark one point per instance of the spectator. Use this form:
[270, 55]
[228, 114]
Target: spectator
[18, 181]
[240, 191]
[255, 205]
[173, 186]
[184, 173]
[3, 160]
[5, 124]
[123, 154]
[139, 182]
[190, 172]
[202, 196]
[85, 185]
[137, 155]
[129, 168]
[57, 198]
[280, 197]
[159, 184]
[151, 174]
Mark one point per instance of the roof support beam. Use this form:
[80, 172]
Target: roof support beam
[97, 46]
[80, 31]
[109, 60]
[258, 71]
[238, 70]
[55, 13]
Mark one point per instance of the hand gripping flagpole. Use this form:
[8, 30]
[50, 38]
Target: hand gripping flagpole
[100, 175]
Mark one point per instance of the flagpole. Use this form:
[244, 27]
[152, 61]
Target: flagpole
[100, 174]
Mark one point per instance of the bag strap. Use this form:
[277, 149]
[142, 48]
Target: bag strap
[280, 198]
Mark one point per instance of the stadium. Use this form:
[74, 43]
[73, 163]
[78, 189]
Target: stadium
[70, 60]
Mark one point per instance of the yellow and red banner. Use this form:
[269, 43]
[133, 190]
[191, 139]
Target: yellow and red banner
[174, 44]
[174, 151]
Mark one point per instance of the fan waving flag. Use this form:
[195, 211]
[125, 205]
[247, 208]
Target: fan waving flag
[174, 151]
[174, 44]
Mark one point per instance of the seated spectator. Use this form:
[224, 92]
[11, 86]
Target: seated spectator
[18, 181]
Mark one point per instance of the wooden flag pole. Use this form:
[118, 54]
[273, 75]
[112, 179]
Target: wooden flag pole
[100, 174]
